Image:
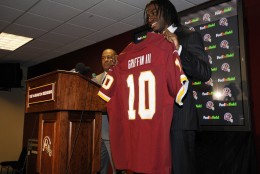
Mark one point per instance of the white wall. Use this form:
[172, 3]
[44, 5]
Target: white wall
[11, 121]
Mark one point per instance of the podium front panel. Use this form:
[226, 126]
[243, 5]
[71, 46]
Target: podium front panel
[69, 142]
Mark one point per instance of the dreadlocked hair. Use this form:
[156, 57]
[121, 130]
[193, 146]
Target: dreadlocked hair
[167, 9]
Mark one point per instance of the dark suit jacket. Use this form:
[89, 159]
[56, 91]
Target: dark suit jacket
[196, 66]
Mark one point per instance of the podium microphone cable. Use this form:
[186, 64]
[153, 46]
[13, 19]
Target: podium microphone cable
[77, 132]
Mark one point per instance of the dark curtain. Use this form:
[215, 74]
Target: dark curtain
[226, 153]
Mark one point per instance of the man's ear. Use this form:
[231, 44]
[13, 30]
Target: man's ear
[115, 60]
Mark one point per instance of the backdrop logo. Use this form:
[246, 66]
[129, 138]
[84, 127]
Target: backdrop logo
[192, 21]
[213, 117]
[207, 38]
[210, 59]
[228, 79]
[228, 117]
[224, 33]
[208, 26]
[224, 44]
[225, 10]
[195, 95]
[206, 17]
[209, 82]
[211, 47]
[210, 105]
[225, 67]
[226, 56]
[46, 147]
[223, 22]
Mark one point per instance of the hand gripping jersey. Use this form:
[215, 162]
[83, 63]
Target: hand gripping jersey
[140, 92]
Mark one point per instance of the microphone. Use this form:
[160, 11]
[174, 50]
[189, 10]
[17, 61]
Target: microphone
[82, 69]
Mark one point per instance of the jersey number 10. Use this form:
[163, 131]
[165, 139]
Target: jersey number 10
[143, 112]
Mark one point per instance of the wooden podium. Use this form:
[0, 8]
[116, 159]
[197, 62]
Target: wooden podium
[69, 122]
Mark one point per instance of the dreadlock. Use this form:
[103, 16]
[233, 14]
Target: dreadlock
[168, 10]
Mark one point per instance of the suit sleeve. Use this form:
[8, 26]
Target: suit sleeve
[194, 58]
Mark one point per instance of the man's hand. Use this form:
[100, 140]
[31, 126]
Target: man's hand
[171, 37]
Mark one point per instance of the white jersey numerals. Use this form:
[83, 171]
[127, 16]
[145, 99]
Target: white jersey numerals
[148, 78]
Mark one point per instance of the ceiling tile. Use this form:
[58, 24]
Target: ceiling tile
[42, 58]
[79, 4]
[57, 38]
[91, 21]
[54, 10]
[98, 36]
[19, 4]
[181, 4]
[37, 21]
[137, 3]
[3, 24]
[43, 44]
[24, 54]
[24, 31]
[135, 20]
[73, 30]
[75, 46]
[196, 2]
[118, 28]
[114, 10]
[62, 26]
[12, 13]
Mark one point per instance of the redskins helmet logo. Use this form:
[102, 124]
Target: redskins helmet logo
[195, 95]
[228, 117]
[210, 105]
[225, 67]
[192, 29]
[206, 17]
[223, 22]
[224, 44]
[207, 38]
[227, 92]
[210, 59]
[209, 82]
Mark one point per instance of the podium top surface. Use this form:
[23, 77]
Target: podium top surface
[62, 90]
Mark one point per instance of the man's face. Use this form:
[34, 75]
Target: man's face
[155, 18]
[108, 59]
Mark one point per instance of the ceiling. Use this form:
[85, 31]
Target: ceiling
[62, 26]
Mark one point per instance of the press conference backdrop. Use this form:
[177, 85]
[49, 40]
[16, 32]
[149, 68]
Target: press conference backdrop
[222, 102]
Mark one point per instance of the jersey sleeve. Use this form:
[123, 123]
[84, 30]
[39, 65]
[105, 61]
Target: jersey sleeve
[176, 79]
[108, 86]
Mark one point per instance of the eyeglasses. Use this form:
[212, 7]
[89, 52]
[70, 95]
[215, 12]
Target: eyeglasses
[108, 57]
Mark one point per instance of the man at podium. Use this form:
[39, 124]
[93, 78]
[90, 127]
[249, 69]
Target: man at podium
[109, 58]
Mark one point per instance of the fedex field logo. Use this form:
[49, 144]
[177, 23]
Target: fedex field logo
[230, 104]
[225, 10]
[226, 56]
[192, 21]
[211, 47]
[227, 79]
[208, 26]
[213, 117]
[214, 69]
[207, 93]
[224, 33]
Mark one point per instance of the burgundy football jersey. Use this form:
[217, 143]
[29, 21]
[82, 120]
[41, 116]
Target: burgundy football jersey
[140, 92]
